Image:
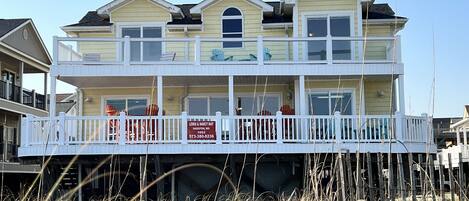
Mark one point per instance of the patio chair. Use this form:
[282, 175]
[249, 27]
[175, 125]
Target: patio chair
[267, 55]
[168, 56]
[219, 55]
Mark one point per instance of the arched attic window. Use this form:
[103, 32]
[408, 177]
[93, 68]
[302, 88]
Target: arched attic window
[232, 27]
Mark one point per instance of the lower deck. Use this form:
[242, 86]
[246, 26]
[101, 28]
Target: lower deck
[184, 134]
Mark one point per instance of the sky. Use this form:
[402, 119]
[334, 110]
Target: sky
[444, 22]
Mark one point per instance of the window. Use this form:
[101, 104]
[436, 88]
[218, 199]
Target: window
[326, 103]
[334, 26]
[144, 51]
[249, 105]
[207, 105]
[232, 27]
[132, 106]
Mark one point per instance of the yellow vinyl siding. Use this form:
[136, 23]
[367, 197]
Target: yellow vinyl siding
[107, 50]
[173, 97]
[377, 50]
[140, 11]
[376, 105]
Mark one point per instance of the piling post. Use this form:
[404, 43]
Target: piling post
[441, 177]
[461, 175]
[402, 188]
[450, 175]
[431, 171]
[380, 177]
[370, 176]
[412, 177]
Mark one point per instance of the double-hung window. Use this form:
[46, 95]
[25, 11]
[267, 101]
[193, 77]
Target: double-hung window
[232, 27]
[328, 102]
[132, 106]
[322, 27]
[144, 51]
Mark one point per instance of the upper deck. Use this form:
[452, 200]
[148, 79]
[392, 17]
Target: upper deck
[206, 56]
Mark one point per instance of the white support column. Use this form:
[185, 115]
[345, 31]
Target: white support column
[218, 126]
[126, 54]
[197, 50]
[21, 80]
[61, 128]
[45, 92]
[279, 127]
[260, 50]
[184, 127]
[231, 107]
[302, 96]
[159, 86]
[337, 128]
[295, 32]
[53, 88]
[401, 94]
[302, 108]
[122, 123]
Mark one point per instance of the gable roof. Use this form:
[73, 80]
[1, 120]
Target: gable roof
[278, 15]
[8, 25]
[106, 9]
[205, 3]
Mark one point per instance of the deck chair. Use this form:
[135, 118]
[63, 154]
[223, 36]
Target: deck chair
[267, 55]
[219, 55]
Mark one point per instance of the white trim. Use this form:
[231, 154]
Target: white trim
[222, 17]
[44, 48]
[108, 8]
[277, 25]
[141, 25]
[204, 4]
[34, 62]
[122, 97]
[87, 29]
[311, 91]
[327, 15]
[385, 21]
[184, 27]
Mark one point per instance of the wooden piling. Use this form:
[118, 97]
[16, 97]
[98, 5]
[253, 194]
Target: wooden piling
[423, 185]
[380, 177]
[402, 188]
[431, 170]
[342, 176]
[391, 178]
[441, 178]
[358, 177]
[462, 176]
[412, 177]
[450, 175]
[143, 179]
[369, 168]
[349, 174]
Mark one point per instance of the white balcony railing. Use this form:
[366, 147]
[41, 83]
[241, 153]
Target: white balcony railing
[125, 130]
[198, 50]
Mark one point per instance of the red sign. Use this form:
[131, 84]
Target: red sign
[201, 130]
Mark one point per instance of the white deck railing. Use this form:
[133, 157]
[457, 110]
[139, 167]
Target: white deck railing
[199, 50]
[278, 129]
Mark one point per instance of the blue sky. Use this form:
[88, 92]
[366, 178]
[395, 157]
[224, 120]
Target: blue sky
[446, 19]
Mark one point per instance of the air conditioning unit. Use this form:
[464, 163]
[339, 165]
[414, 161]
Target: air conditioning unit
[91, 57]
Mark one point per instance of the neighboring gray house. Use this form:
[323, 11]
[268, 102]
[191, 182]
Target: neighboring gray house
[22, 51]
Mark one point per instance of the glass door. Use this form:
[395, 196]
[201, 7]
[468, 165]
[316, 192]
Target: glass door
[146, 50]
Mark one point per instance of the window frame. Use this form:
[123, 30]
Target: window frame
[139, 25]
[126, 98]
[330, 91]
[222, 18]
[259, 100]
[207, 97]
[308, 15]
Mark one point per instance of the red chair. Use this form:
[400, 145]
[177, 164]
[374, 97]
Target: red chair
[113, 124]
[288, 124]
[151, 126]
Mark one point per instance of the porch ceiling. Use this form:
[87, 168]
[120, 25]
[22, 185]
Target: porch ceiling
[147, 81]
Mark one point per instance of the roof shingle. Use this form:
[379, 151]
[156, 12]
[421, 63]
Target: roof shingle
[7, 25]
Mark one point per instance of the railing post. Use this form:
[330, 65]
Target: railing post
[122, 123]
[427, 128]
[329, 54]
[55, 51]
[399, 132]
[218, 126]
[398, 50]
[33, 94]
[126, 50]
[338, 127]
[197, 50]
[61, 128]
[260, 50]
[184, 127]
[26, 130]
[279, 128]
